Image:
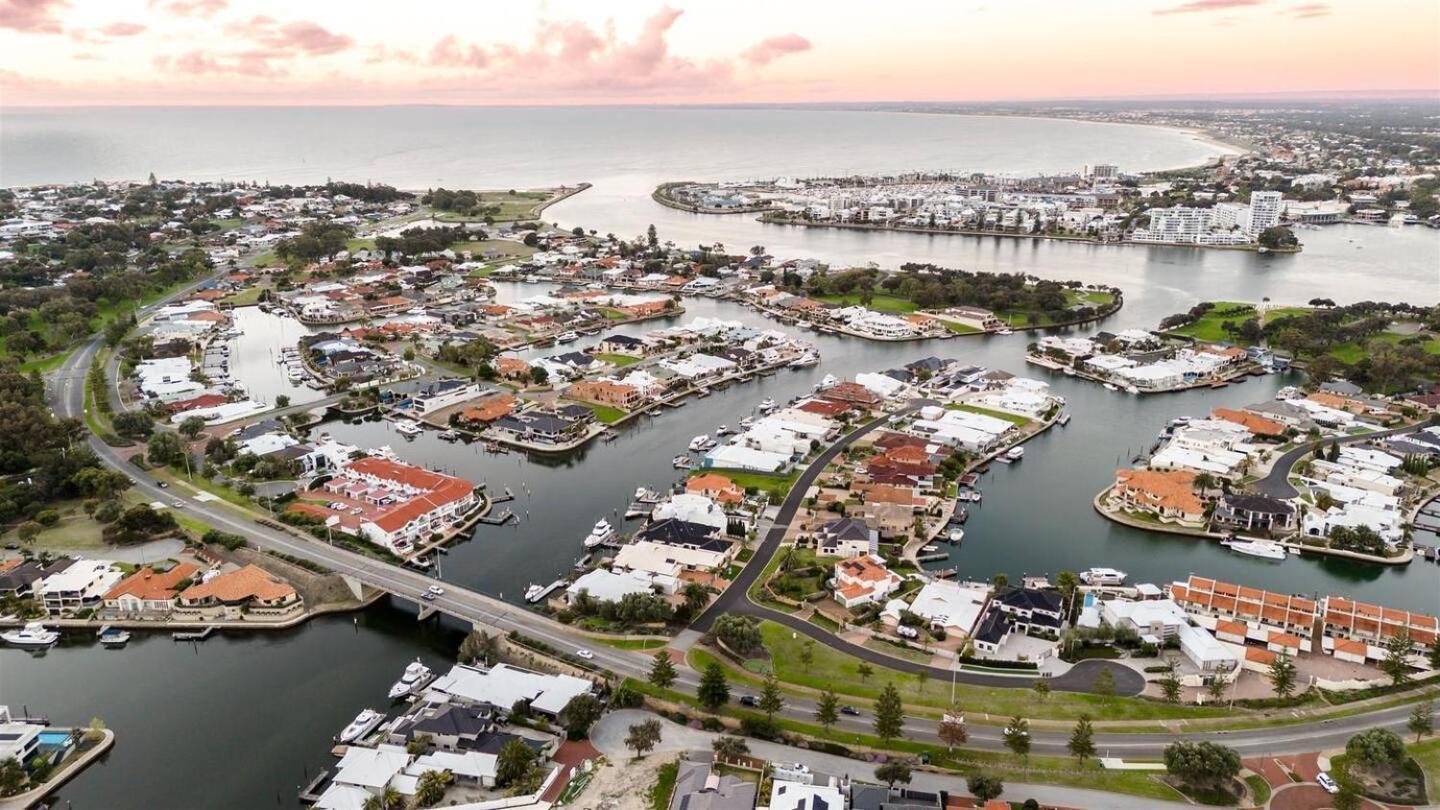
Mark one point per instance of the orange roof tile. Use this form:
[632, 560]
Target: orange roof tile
[148, 585]
[250, 582]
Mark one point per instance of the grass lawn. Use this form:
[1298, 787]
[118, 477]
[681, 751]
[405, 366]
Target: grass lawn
[881, 303]
[1012, 418]
[1020, 318]
[1350, 353]
[614, 314]
[504, 247]
[1259, 790]
[1211, 327]
[958, 328]
[1094, 298]
[838, 671]
[659, 793]
[620, 360]
[918, 656]
[605, 413]
[1427, 756]
[246, 297]
[642, 644]
[353, 245]
[1285, 312]
[513, 207]
[76, 531]
[776, 485]
[199, 482]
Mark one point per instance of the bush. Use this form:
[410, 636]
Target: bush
[47, 517]
[225, 539]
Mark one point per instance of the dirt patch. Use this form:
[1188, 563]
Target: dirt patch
[622, 785]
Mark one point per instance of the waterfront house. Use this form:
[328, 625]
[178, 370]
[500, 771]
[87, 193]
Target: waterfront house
[846, 537]
[18, 576]
[441, 394]
[148, 592]
[863, 579]
[975, 317]
[1259, 426]
[79, 586]
[699, 787]
[1256, 513]
[606, 392]
[540, 427]
[1167, 495]
[490, 409]
[716, 487]
[622, 345]
[944, 604]
[396, 505]
[853, 394]
[659, 559]
[504, 685]
[245, 593]
[1262, 611]
[1373, 626]
[1031, 609]
[512, 368]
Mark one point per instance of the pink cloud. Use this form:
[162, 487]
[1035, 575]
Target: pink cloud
[191, 8]
[768, 50]
[31, 16]
[1206, 5]
[122, 29]
[1307, 11]
[200, 63]
[303, 36]
[448, 52]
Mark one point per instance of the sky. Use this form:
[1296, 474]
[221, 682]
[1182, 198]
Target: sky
[318, 52]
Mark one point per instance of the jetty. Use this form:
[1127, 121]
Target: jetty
[195, 635]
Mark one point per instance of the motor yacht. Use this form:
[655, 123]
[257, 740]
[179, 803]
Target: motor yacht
[536, 593]
[1103, 576]
[701, 443]
[32, 636]
[600, 534]
[767, 405]
[114, 636]
[567, 337]
[683, 462]
[408, 427]
[414, 678]
[1264, 549]
[364, 723]
[1015, 453]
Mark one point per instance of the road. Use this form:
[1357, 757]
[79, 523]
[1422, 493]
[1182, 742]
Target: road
[1276, 483]
[67, 391]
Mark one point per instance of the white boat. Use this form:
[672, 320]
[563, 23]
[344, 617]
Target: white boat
[723, 430]
[535, 593]
[294, 375]
[972, 495]
[956, 534]
[415, 676]
[1264, 549]
[700, 443]
[805, 360]
[1111, 387]
[1006, 331]
[1064, 418]
[114, 636]
[600, 534]
[682, 462]
[33, 636]
[408, 427]
[647, 495]
[1015, 453]
[1130, 389]
[1103, 576]
[826, 381]
[747, 423]
[364, 723]
[767, 405]
[567, 337]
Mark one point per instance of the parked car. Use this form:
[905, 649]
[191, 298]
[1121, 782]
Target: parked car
[1324, 780]
[905, 631]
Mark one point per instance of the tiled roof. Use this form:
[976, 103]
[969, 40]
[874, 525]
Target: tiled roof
[250, 582]
[1164, 489]
[148, 585]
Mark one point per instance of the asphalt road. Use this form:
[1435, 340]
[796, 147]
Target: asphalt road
[67, 391]
[1276, 483]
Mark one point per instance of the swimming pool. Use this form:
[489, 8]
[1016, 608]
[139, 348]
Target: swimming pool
[54, 739]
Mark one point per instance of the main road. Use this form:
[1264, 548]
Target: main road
[67, 396]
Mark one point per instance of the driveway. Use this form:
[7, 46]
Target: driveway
[608, 736]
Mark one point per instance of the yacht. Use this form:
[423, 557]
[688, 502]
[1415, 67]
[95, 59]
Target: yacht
[1264, 549]
[805, 360]
[295, 375]
[450, 435]
[600, 534]
[701, 443]
[723, 430]
[415, 677]
[1111, 387]
[747, 423]
[1064, 418]
[1015, 453]
[957, 534]
[682, 462]
[646, 495]
[364, 723]
[1130, 389]
[826, 381]
[567, 337]
[114, 636]
[535, 593]
[408, 427]
[1103, 576]
[1005, 331]
[33, 635]
[767, 405]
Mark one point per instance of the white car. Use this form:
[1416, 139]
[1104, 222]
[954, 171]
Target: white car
[586, 654]
[436, 589]
[1324, 781]
[179, 504]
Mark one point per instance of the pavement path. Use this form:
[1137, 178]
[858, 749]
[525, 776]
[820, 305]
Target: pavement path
[608, 736]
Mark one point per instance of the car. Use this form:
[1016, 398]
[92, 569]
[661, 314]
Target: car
[162, 485]
[435, 589]
[850, 710]
[904, 631]
[1323, 780]
[428, 596]
[749, 700]
[178, 504]
[1012, 731]
[586, 654]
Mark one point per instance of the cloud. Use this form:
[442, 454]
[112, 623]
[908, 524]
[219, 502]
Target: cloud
[1308, 11]
[122, 29]
[448, 52]
[768, 50]
[1206, 5]
[191, 8]
[31, 16]
[200, 63]
[286, 38]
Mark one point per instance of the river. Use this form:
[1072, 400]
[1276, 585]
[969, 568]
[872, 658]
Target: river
[235, 722]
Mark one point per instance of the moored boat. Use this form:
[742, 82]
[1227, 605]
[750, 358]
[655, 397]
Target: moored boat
[1015, 453]
[114, 636]
[409, 427]
[414, 678]
[364, 723]
[600, 534]
[567, 337]
[1264, 549]
[1103, 576]
[32, 636]
[536, 593]
[683, 462]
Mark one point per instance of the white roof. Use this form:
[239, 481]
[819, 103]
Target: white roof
[608, 586]
[371, 767]
[472, 764]
[342, 797]
[730, 456]
[660, 558]
[692, 507]
[953, 604]
[797, 796]
[85, 576]
[502, 685]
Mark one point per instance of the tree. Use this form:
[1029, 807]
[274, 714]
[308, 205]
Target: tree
[1042, 688]
[651, 238]
[164, 449]
[893, 771]
[1017, 736]
[662, 670]
[714, 690]
[191, 427]
[984, 788]
[135, 424]
[282, 401]
[1082, 739]
[807, 654]
[1376, 746]
[479, 646]
[643, 737]
[952, 731]
[12, 776]
[1068, 583]
[1216, 689]
[430, 789]
[864, 670]
[1422, 719]
[889, 714]
[827, 710]
[1396, 662]
[1282, 676]
[387, 799]
[28, 531]
[95, 732]
[770, 698]
[1170, 685]
[1104, 683]
[1201, 764]
[728, 747]
[579, 715]
[513, 763]
[1432, 655]
[739, 633]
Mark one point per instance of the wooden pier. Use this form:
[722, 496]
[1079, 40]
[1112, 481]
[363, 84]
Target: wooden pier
[195, 635]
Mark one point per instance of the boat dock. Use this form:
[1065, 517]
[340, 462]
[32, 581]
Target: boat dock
[311, 792]
[933, 557]
[195, 635]
[508, 496]
[501, 519]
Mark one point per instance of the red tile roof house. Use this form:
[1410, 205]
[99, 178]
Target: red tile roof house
[148, 592]
[249, 593]
[402, 504]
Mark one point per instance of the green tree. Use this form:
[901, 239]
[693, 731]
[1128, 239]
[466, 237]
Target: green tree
[864, 670]
[479, 646]
[827, 710]
[1216, 689]
[714, 690]
[1170, 685]
[728, 747]
[282, 401]
[1376, 746]
[662, 670]
[952, 730]
[513, 763]
[1201, 764]
[430, 789]
[643, 737]
[1282, 676]
[12, 776]
[191, 427]
[1396, 662]
[95, 732]
[28, 531]
[387, 799]
[1082, 739]
[739, 633]
[1017, 736]
[807, 654]
[889, 714]
[1042, 689]
[984, 788]
[1422, 719]
[893, 771]
[1432, 654]
[770, 699]
[164, 449]
[579, 715]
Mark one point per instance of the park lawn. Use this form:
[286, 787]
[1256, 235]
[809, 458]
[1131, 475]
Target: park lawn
[353, 245]
[1012, 418]
[504, 247]
[1351, 353]
[1211, 327]
[1427, 755]
[918, 656]
[776, 485]
[838, 671]
[76, 531]
[880, 303]
[199, 482]
[605, 413]
[614, 314]
[1094, 298]
[246, 297]
[1285, 312]
[642, 644]
[620, 360]
[513, 207]
[1015, 318]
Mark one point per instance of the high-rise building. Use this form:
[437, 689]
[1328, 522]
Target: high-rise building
[1264, 211]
